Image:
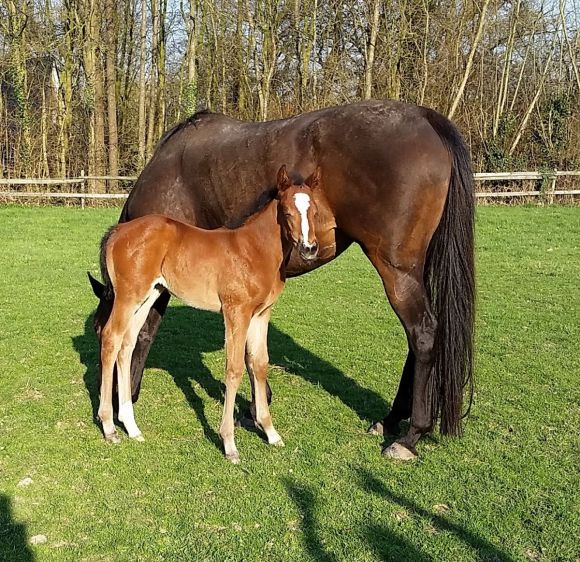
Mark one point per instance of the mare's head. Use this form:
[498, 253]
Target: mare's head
[297, 210]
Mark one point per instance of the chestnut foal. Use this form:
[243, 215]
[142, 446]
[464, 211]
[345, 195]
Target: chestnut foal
[239, 273]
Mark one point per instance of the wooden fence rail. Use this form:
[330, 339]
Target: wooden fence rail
[547, 192]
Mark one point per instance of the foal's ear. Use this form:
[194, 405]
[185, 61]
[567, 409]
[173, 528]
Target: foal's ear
[313, 180]
[97, 287]
[283, 179]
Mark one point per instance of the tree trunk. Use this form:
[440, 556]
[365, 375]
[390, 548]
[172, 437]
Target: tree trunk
[161, 71]
[503, 85]
[153, 82]
[111, 81]
[189, 103]
[94, 92]
[370, 50]
[18, 75]
[469, 64]
[65, 113]
[141, 125]
[531, 106]
[424, 60]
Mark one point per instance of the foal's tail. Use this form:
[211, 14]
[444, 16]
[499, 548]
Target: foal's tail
[450, 281]
[108, 294]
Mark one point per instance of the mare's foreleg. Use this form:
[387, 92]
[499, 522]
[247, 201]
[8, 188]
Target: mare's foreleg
[236, 322]
[126, 413]
[402, 404]
[257, 365]
[144, 342]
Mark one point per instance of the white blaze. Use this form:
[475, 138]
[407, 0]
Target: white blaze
[302, 202]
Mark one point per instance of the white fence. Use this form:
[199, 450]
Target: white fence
[548, 191]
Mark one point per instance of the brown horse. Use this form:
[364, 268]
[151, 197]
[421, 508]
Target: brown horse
[239, 273]
[397, 179]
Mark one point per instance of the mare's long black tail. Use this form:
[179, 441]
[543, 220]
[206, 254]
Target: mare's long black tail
[450, 281]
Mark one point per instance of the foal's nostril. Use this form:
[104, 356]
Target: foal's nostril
[309, 251]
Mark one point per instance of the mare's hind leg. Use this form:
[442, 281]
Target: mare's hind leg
[236, 322]
[407, 295]
[257, 365]
[249, 419]
[144, 342]
[402, 404]
[111, 341]
[126, 414]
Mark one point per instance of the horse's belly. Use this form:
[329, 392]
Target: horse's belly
[196, 290]
[202, 302]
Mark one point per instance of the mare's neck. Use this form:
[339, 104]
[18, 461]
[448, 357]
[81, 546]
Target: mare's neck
[267, 232]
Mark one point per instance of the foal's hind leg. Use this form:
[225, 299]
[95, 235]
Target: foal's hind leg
[126, 414]
[257, 365]
[111, 342]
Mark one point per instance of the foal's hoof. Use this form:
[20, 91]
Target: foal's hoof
[234, 458]
[398, 452]
[139, 437]
[112, 438]
[376, 429]
[278, 443]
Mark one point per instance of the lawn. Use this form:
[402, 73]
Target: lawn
[508, 490]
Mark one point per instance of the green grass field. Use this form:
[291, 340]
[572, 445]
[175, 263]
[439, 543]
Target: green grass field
[508, 490]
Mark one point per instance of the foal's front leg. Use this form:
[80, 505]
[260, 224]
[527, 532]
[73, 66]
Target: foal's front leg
[257, 364]
[236, 322]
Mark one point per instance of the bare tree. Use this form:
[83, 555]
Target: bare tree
[111, 32]
[469, 63]
[105, 80]
[142, 84]
[90, 23]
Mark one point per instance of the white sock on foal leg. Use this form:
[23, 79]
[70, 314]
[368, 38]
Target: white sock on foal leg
[127, 418]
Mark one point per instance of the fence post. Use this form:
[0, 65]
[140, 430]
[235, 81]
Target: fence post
[83, 188]
[548, 186]
[552, 188]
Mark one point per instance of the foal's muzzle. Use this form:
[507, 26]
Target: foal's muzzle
[308, 252]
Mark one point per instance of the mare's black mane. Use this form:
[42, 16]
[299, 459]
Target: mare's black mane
[191, 120]
[263, 201]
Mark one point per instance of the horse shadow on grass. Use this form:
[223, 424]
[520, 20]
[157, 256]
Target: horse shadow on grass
[381, 538]
[13, 543]
[305, 498]
[385, 543]
[195, 332]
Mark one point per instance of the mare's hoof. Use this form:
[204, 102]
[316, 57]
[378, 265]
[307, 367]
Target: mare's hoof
[376, 429]
[398, 452]
[381, 428]
[139, 437]
[112, 438]
[234, 458]
[245, 422]
[278, 443]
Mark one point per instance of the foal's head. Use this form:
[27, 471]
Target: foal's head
[298, 211]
